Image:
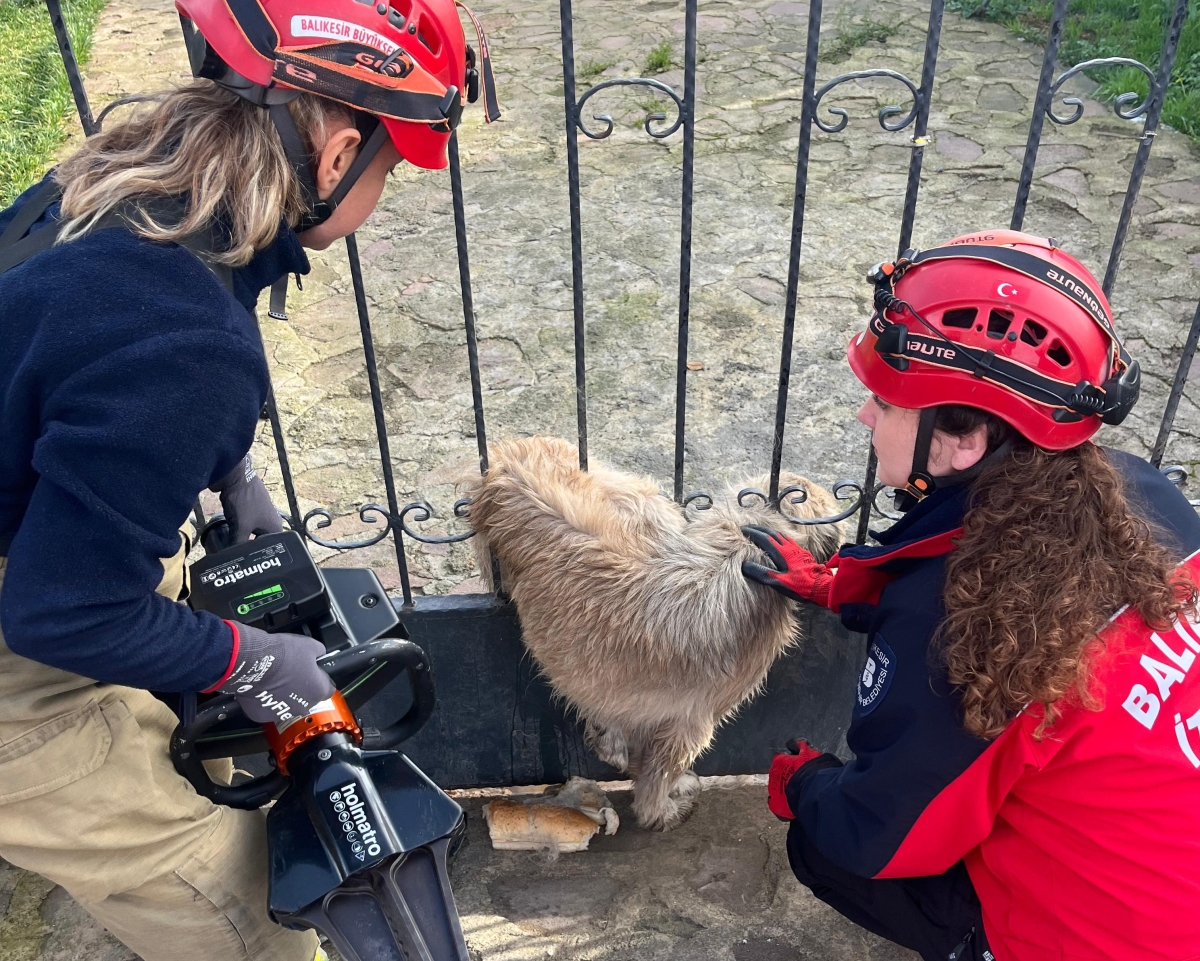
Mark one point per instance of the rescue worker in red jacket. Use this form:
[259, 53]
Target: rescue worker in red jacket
[1026, 732]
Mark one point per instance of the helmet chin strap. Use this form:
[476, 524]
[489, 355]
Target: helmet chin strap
[921, 483]
[318, 210]
[206, 63]
[293, 145]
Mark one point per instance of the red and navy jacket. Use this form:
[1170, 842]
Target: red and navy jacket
[1084, 844]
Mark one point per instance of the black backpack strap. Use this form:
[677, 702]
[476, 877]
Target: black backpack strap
[45, 197]
[201, 246]
[279, 290]
[17, 245]
[26, 247]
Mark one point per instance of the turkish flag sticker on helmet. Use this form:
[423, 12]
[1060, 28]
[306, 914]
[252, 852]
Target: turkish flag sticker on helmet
[1004, 322]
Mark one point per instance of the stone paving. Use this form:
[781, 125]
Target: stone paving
[748, 103]
[718, 888]
[615, 902]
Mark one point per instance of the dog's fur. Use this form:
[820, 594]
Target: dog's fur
[637, 613]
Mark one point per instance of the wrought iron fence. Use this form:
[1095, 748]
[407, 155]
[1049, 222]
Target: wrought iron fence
[862, 498]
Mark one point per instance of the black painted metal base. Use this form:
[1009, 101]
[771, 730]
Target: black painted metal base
[497, 724]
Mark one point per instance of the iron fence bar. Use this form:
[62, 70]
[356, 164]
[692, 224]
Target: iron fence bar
[285, 468]
[71, 65]
[1040, 105]
[571, 110]
[1158, 96]
[1181, 376]
[864, 516]
[468, 300]
[464, 281]
[808, 110]
[385, 455]
[685, 238]
[933, 38]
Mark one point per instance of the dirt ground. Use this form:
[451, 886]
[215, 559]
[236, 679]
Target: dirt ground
[718, 888]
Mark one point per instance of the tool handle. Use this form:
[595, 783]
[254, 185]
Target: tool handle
[348, 670]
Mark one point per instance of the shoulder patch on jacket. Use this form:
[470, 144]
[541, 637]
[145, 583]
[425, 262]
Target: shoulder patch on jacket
[876, 676]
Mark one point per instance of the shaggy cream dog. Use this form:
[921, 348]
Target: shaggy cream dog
[637, 612]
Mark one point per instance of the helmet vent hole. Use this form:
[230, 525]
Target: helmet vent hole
[402, 7]
[1033, 333]
[427, 37]
[963, 318]
[998, 323]
[1059, 354]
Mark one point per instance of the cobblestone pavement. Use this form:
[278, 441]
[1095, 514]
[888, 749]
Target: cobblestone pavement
[516, 195]
[716, 889]
[515, 187]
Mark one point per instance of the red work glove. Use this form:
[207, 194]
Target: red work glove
[782, 769]
[796, 573]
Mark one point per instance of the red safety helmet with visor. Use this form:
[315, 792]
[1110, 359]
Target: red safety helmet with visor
[1001, 321]
[404, 62]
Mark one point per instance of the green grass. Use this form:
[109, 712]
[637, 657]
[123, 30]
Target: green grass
[1112, 28]
[851, 36]
[588, 71]
[34, 94]
[659, 59]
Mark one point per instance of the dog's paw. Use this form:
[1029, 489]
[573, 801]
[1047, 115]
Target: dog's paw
[687, 788]
[665, 813]
[666, 816]
[609, 745]
[685, 793]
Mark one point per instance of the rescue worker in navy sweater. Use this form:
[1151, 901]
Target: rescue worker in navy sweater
[1025, 783]
[132, 376]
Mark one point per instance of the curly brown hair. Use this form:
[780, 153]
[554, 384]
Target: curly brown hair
[1050, 551]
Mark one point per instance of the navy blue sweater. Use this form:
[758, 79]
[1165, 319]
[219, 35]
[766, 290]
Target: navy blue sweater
[906, 729]
[130, 379]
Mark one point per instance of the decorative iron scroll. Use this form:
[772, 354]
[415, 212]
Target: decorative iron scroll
[608, 121]
[326, 519]
[798, 495]
[422, 511]
[1118, 103]
[886, 112]
[1177, 474]
[124, 102]
[883, 511]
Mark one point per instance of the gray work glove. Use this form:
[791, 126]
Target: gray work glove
[246, 504]
[276, 677]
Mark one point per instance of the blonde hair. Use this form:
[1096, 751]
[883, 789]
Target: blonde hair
[208, 144]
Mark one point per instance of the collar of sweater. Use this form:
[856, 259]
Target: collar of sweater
[283, 255]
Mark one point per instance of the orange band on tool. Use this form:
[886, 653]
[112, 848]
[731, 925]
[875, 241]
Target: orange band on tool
[337, 717]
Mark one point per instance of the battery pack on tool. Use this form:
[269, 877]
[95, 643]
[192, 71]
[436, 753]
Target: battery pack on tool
[270, 583]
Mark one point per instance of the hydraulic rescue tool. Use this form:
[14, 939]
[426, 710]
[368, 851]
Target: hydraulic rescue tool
[358, 838]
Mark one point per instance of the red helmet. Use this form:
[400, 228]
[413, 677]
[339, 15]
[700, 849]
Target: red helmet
[404, 61]
[1004, 322]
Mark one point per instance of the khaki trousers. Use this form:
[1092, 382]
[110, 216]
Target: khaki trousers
[90, 800]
